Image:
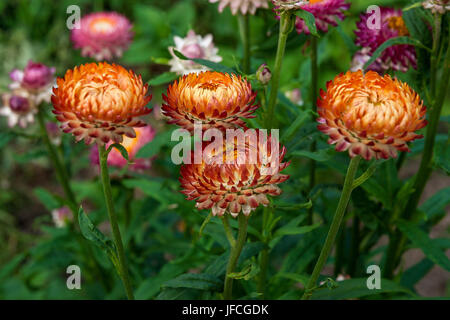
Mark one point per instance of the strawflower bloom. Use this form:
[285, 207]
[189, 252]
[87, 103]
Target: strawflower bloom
[370, 115]
[398, 57]
[234, 186]
[242, 6]
[326, 12]
[143, 136]
[102, 35]
[217, 100]
[437, 6]
[100, 102]
[193, 46]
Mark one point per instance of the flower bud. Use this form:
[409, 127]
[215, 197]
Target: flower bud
[37, 75]
[263, 74]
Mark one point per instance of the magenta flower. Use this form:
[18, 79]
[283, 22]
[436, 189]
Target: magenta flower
[143, 136]
[35, 76]
[102, 35]
[399, 57]
[326, 12]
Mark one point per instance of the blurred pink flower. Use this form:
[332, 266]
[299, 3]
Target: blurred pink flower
[244, 6]
[326, 12]
[62, 216]
[102, 35]
[360, 59]
[437, 6]
[193, 46]
[132, 145]
[18, 109]
[398, 57]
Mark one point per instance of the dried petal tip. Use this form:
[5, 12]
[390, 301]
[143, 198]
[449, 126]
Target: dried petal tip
[100, 102]
[102, 35]
[370, 115]
[235, 186]
[217, 100]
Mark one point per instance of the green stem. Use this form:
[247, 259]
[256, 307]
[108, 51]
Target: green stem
[228, 232]
[244, 28]
[354, 249]
[398, 240]
[286, 25]
[61, 171]
[235, 252]
[123, 272]
[434, 53]
[314, 88]
[264, 256]
[335, 224]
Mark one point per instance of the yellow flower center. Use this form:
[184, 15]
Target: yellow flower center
[398, 24]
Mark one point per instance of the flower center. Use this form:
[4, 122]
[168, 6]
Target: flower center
[19, 104]
[209, 86]
[193, 51]
[102, 25]
[398, 24]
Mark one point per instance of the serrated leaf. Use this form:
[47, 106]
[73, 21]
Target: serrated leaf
[309, 20]
[163, 78]
[422, 241]
[200, 281]
[393, 42]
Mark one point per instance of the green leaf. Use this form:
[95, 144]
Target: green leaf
[151, 286]
[5, 137]
[119, 148]
[290, 231]
[247, 273]
[414, 274]
[153, 147]
[90, 232]
[365, 176]
[163, 78]
[302, 278]
[421, 240]
[47, 199]
[357, 288]
[320, 155]
[151, 188]
[392, 42]
[435, 205]
[309, 20]
[200, 281]
[294, 127]
[209, 64]
[442, 156]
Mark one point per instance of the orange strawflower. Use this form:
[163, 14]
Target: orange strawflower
[215, 99]
[370, 115]
[235, 185]
[100, 102]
